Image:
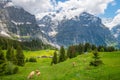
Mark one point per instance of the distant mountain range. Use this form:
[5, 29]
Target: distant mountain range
[17, 23]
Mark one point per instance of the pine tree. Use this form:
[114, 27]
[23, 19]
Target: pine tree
[9, 54]
[2, 62]
[54, 59]
[2, 58]
[80, 48]
[71, 52]
[20, 56]
[62, 54]
[87, 47]
[13, 57]
[96, 59]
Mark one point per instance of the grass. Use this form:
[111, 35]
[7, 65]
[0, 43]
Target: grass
[65, 71]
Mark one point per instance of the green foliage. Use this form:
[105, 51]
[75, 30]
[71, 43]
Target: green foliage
[87, 47]
[15, 70]
[20, 56]
[2, 58]
[32, 59]
[80, 48]
[27, 60]
[96, 61]
[54, 59]
[10, 56]
[62, 54]
[10, 68]
[71, 52]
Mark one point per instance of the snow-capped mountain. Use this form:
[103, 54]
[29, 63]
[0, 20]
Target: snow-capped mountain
[78, 29]
[15, 21]
[56, 28]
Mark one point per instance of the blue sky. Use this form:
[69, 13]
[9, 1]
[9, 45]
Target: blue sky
[110, 12]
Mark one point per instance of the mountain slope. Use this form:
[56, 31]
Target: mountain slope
[16, 21]
[116, 32]
[80, 29]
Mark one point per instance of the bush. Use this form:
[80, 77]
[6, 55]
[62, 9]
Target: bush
[27, 60]
[11, 69]
[32, 59]
[96, 63]
[15, 70]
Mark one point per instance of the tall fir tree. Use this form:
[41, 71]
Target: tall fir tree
[71, 52]
[62, 54]
[2, 62]
[80, 48]
[13, 57]
[9, 54]
[2, 58]
[20, 56]
[54, 59]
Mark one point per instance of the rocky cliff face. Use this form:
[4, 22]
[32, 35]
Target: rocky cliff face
[116, 32]
[80, 29]
[16, 21]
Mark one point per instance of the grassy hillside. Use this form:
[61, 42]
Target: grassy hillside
[65, 71]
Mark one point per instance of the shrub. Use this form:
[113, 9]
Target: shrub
[10, 68]
[15, 70]
[32, 59]
[27, 60]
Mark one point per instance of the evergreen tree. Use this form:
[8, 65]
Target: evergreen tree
[80, 48]
[62, 54]
[2, 58]
[54, 59]
[96, 59]
[9, 54]
[20, 56]
[13, 57]
[2, 62]
[87, 47]
[71, 52]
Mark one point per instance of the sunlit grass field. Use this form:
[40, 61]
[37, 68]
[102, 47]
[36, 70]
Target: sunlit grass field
[110, 70]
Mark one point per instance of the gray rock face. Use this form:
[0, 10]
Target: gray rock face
[116, 32]
[81, 29]
[17, 21]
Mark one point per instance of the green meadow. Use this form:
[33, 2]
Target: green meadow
[110, 70]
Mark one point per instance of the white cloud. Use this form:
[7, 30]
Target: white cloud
[94, 7]
[115, 21]
[69, 7]
[118, 11]
[34, 6]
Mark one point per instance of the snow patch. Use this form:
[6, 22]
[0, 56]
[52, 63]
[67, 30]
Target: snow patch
[116, 35]
[52, 34]
[17, 23]
[28, 23]
[5, 34]
[41, 25]
[9, 4]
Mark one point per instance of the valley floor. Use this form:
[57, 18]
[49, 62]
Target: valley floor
[110, 70]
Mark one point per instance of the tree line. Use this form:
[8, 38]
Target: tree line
[75, 50]
[9, 63]
[34, 44]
